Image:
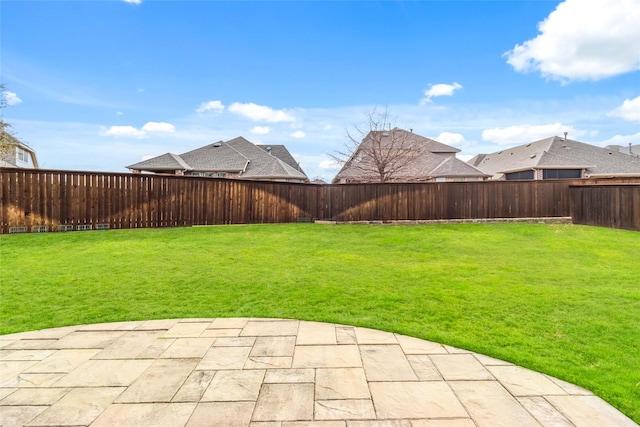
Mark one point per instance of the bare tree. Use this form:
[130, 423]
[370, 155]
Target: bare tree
[7, 140]
[376, 154]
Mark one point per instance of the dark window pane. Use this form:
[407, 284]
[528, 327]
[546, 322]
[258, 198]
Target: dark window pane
[519, 175]
[561, 173]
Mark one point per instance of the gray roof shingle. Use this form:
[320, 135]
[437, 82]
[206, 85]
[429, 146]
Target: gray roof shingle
[281, 152]
[219, 157]
[168, 161]
[274, 168]
[429, 159]
[557, 153]
[236, 155]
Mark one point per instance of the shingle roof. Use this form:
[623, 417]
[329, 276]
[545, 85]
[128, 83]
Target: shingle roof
[452, 166]
[219, 157]
[557, 153]
[274, 168]
[168, 161]
[635, 149]
[236, 155]
[429, 159]
[281, 152]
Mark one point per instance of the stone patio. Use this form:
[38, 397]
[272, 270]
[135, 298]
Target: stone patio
[272, 373]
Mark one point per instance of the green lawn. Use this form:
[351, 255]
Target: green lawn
[560, 299]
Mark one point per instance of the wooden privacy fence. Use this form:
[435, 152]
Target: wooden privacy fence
[614, 206]
[47, 200]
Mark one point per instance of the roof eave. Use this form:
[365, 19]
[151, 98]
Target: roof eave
[615, 175]
[546, 167]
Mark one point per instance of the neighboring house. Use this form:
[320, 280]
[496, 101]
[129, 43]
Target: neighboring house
[556, 158]
[421, 160]
[236, 158]
[19, 155]
[633, 150]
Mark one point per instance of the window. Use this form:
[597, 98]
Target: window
[513, 176]
[222, 174]
[196, 174]
[22, 155]
[561, 173]
[441, 179]
[208, 174]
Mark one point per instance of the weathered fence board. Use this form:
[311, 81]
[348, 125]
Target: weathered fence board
[35, 198]
[613, 206]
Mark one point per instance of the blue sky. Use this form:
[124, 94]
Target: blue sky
[98, 85]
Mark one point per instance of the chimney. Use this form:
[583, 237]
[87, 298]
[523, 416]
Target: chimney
[630, 152]
[565, 136]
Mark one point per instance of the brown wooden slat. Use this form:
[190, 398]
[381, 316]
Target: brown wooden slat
[40, 197]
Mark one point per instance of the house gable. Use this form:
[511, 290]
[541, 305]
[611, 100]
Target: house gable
[281, 152]
[429, 159]
[165, 162]
[19, 155]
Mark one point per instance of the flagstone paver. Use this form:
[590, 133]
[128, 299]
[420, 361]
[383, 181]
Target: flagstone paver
[81, 406]
[406, 399]
[272, 373]
[386, 363]
[63, 361]
[285, 402]
[160, 382]
[236, 385]
[460, 367]
[341, 383]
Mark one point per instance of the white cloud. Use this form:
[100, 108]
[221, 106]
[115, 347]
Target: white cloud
[11, 98]
[260, 113]
[450, 138]
[133, 1]
[215, 106]
[260, 130]
[583, 40]
[629, 110]
[123, 131]
[519, 134]
[119, 113]
[298, 134]
[440, 89]
[132, 132]
[158, 127]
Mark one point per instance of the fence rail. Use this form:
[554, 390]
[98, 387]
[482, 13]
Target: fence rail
[49, 200]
